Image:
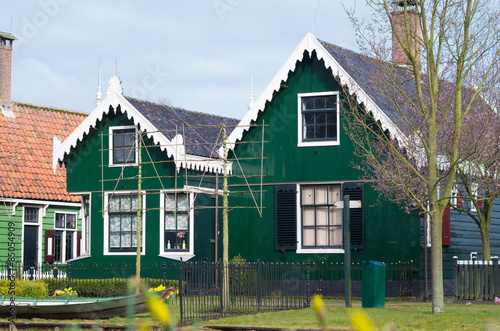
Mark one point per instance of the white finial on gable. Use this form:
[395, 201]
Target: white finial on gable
[115, 85]
[251, 103]
[99, 94]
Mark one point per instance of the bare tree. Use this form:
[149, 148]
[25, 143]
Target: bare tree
[444, 57]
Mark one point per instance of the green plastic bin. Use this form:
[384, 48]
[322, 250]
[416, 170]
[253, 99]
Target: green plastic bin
[373, 284]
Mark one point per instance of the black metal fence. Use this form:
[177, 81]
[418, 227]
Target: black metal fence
[251, 286]
[476, 280]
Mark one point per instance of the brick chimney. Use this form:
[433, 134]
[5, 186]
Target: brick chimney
[6, 41]
[398, 17]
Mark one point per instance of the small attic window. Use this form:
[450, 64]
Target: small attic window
[318, 119]
[123, 145]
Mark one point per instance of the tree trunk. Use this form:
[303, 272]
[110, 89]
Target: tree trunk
[437, 263]
[485, 238]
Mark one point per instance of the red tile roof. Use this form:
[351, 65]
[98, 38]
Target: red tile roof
[26, 145]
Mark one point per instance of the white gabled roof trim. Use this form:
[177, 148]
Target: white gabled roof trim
[174, 148]
[310, 43]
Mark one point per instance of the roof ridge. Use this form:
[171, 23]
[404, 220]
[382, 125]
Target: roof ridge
[53, 109]
[180, 109]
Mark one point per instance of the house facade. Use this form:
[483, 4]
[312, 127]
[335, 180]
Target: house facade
[39, 221]
[133, 161]
[308, 165]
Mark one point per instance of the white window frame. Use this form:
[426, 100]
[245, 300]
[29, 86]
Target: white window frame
[301, 143]
[300, 249]
[65, 231]
[86, 225]
[112, 129]
[176, 255]
[106, 224]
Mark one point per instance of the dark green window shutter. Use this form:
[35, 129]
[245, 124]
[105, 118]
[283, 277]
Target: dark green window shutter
[355, 192]
[286, 217]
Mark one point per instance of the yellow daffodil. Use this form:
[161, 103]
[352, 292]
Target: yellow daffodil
[157, 308]
[360, 321]
[319, 308]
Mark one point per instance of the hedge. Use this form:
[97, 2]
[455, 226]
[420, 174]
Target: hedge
[25, 288]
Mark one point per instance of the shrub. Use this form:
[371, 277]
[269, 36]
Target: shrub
[102, 288]
[25, 288]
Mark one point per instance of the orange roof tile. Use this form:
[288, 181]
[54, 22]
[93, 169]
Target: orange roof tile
[26, 152]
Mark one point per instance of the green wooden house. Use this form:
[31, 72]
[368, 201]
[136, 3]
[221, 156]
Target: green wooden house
[308, 166]
[126, 147]
[39, 221]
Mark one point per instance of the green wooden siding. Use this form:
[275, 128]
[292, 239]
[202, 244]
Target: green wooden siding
[88, 171]
[47, 223]
[391, 235]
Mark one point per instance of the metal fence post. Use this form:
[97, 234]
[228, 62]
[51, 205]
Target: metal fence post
[308, 293]
[455, 277]
[69, 274]
[259, 284]
[164, 274]
[220, 270]
[180, 291]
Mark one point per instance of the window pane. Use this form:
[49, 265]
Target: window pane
[31, 215]
[170, 223]
[307, 103]
[70, 221]
[182, 202]
[333, 194]
[126, 240]
[126, 204]
[169, 201]
[331, 102]
[126, 223]
[308, 217]
[60, 221]
[119, 156]
[134, 204]
[134, 239]
[335, 216]
[114, 240]
[307, 195]
[182, 220]
[58, 246]
[308, 237]
[321, 194]
[319, 103]
[114, 223]
[322, 216]
[69, 245]
[335, 236]
[134, 222]
[322, 236]
[114, 203]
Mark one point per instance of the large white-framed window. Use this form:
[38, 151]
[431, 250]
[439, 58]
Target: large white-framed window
[318, 119]
[177, 225]
[65, 239]
[122, 146]
[120, 223]
[319, 229]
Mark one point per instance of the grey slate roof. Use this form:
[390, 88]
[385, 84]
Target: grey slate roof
[367, 72]
[201, 131]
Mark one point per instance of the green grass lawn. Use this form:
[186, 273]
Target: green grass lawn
[402, 315]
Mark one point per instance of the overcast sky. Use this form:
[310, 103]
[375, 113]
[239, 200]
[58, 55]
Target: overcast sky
[199, 55]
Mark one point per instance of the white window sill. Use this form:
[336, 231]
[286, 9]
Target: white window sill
[320, 251]
[123, 253]
[318, 143]
[81, 257]
[123, 165]
[177, 256]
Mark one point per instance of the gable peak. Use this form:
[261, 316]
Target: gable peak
[115, 85]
